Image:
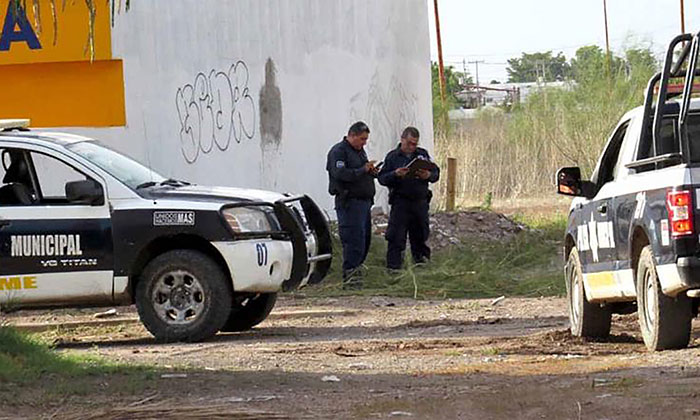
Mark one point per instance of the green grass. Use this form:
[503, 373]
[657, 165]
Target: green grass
[529, 265]
[24, 359]
[29, 364]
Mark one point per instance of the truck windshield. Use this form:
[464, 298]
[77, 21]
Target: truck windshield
[125, 169]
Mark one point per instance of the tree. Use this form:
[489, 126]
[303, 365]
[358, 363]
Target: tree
[591, 64]
[532, 67]
[452, 81]
[642, 59]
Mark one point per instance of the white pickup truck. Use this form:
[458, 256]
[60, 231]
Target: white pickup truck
[632, 241]
[81, 224]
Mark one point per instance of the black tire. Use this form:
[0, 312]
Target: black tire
[183, 295]
[586, 319]
[249, 310]
[665, 321]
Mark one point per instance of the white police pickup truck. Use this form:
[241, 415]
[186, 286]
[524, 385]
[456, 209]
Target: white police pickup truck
[81, 224]
[633, 234]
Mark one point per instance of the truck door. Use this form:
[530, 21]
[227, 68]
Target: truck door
[51, 250]
[596, 233]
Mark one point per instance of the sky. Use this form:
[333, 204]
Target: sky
[495, 30]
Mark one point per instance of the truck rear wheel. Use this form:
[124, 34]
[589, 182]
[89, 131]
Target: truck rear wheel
[665, 321]
[248, 310]
[183, 295]
[586, 319]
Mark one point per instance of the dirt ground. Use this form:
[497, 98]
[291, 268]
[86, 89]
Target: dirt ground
[367, 358]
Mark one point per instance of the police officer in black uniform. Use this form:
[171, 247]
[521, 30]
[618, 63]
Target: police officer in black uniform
[409, 197]
[351, 180]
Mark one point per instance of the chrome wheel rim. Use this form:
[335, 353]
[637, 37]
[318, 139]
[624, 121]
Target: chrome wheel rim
[178, 297]
[576, 299]
[649, 301]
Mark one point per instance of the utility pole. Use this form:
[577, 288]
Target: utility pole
[541, 66]
[440, 62]
[607, 38]
[682, 18]
[478, 90]
[464, 71]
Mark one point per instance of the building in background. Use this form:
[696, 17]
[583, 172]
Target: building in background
[250, 93]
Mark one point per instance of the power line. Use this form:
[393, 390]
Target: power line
[486, 63]
[558, 48]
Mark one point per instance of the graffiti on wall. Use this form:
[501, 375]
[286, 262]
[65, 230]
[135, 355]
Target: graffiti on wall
[391, 109]
[214, 110]
[388, 109]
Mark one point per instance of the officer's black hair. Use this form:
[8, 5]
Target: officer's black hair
[410, 132]
[358, 128]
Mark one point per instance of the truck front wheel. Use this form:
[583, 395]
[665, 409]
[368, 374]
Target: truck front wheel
[183, 295]
[248, 310]
[587, 319]
[665, 321]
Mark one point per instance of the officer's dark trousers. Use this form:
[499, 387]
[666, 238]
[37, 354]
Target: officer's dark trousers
[407, 217]
[355, 228]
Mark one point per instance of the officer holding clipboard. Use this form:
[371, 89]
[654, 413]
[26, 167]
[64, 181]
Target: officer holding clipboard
[407, 171]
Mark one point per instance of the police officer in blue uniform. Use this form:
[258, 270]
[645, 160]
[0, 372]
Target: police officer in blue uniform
[409, 197]
[351, 180]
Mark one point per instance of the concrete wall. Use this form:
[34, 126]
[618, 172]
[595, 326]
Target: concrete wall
[253, 93]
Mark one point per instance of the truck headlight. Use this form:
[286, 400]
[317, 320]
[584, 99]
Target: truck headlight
[246, 219]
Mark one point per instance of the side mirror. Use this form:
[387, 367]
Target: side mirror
[85, 192]
[569, 182]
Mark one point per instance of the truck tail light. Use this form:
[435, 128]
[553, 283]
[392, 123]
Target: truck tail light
[680, 213]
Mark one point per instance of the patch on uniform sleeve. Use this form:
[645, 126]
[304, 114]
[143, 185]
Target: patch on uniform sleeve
[339, 164]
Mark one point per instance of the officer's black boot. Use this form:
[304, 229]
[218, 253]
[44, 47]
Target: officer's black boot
[352, 279]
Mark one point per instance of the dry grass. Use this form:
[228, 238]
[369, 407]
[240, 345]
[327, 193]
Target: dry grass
[510, 155]
[175, 409]
[489, 163]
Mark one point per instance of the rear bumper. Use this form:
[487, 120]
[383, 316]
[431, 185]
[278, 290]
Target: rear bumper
[679, 277]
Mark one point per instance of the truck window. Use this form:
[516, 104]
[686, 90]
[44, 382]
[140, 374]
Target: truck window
[52, 176]
[629, 148]
[608, 166]
[17, 188]
[668, 142]
[694, 137]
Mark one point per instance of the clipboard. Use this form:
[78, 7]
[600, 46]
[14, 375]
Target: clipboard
[420, 163]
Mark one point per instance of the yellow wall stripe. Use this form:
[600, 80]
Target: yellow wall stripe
[76, 94]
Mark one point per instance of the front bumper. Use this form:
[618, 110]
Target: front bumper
[306, 230]
[307, 264]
